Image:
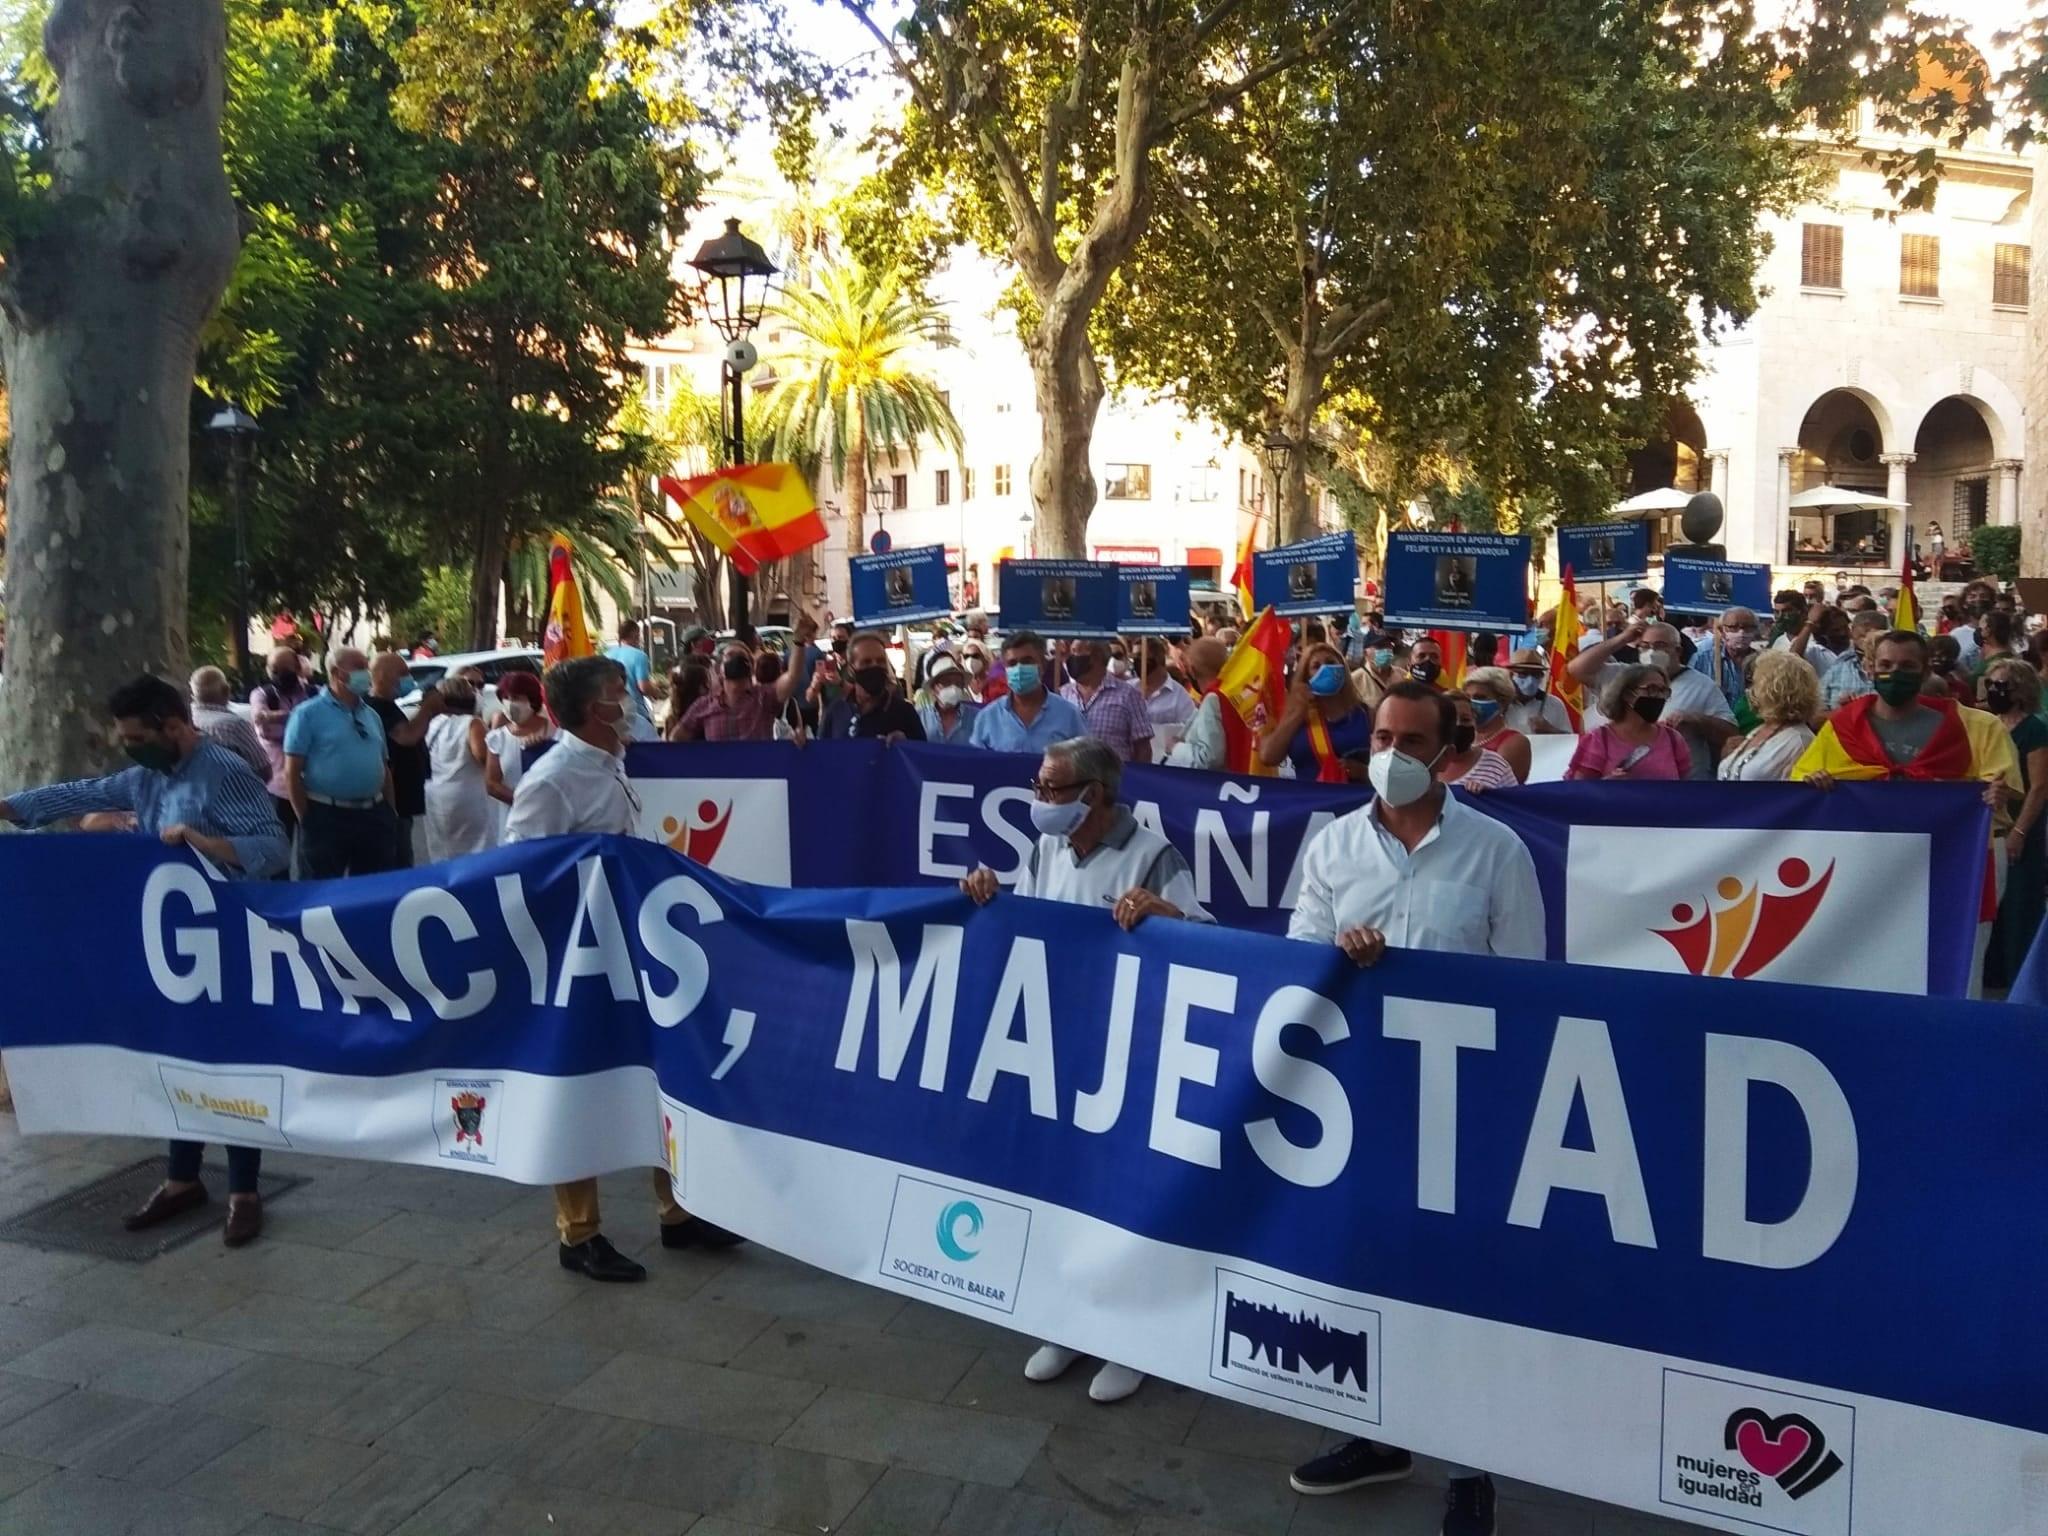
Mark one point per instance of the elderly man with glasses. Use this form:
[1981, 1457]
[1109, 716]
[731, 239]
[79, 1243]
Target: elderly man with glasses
[337, 773]
[1092, 852]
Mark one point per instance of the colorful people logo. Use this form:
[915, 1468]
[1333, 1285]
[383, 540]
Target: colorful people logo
[1749, 927]
[700, 837]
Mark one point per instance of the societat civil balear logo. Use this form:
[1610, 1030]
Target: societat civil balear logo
[1790, 1449]
[1744, 927]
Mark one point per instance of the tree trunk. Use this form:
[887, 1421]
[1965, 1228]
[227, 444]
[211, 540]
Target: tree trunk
[1297, 418]
[1069, 394]
[99, 321]
[856, 487]
[486, 569]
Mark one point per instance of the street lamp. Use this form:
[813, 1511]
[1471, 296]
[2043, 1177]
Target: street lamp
[881, 497]
[742, 270]
[1279, 452]
[235, 425]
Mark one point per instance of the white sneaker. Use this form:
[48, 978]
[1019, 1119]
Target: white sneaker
[1049, 1362]
[1113, 1383]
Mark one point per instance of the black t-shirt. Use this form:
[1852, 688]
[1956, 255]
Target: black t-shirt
[844, 721]
[408, 764]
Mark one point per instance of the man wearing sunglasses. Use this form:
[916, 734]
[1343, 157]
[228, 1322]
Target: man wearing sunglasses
[337, 772]
[1092, 852]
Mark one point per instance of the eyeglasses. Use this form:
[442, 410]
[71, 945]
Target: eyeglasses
[1046, 791]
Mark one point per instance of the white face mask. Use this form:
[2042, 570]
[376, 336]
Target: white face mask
[518, 711]
[977, 665]
[952, 696]
[1661, 660]
[1051, 819]
[1400, 779]
[1118, 667]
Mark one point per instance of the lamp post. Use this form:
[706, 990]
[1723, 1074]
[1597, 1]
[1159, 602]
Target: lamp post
[742, 269]
[1279, 453]
[881, 497]
[235, 425]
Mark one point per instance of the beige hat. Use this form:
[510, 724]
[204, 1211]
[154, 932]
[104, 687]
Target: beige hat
[1528, 656]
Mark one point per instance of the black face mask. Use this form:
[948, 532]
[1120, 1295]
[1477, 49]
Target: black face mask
[1648, 709]
[839, 647]
[284, 679]
[1461, 740]
[738, 670]
[1998, 696]
[873, 681]
[1078, 667]
[1426, 671]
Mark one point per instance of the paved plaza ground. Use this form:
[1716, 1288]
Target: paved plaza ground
[401, 1353]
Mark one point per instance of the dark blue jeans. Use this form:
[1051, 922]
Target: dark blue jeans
[244, 1163]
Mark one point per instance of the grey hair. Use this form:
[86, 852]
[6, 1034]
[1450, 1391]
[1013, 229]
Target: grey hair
[574, 685]
[1090, 760]
[1620, 686]
[459, 694]
[210, 686]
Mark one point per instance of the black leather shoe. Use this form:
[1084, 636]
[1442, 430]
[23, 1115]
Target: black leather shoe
[698, 1233]
[164, 1204]
[600, 1260]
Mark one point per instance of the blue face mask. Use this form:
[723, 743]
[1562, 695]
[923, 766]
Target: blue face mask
[408, 688]
[359, 682]
[1484, 710]
[1528, 687]
[1327, 680]
[1023, 677]
[1383, 659]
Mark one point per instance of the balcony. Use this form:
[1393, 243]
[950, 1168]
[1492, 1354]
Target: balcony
[1839, 540]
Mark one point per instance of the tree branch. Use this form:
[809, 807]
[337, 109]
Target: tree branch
[897, 62]
[1060, 114]
[1347, 324]
[1212, 237]
[1206, 27]
[1285, 60]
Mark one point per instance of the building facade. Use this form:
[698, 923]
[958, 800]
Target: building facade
[1889, 355]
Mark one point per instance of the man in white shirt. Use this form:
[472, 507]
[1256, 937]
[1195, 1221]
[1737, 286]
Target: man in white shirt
[1092, 852]
[1699, 711]
[1415, 869]
[579, 785]
[1170, 705]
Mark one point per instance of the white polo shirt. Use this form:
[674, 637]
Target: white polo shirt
[1469, 888]
[1129, 856]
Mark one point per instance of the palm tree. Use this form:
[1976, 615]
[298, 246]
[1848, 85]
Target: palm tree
[849, 386]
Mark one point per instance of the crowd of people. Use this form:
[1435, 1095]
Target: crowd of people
[334, 777]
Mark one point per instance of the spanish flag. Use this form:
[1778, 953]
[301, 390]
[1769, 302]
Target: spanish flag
[755, 514]
[1907, 615]
[1452, 643]
[1252, 683]
[567, 635]
[1564, 645]
[1241, 578]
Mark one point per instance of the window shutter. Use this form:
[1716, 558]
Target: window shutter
[2009, 264]
[1920, 266]
[1820, 256]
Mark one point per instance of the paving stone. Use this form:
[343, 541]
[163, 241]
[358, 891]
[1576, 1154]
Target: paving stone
[22, 1395]
[953, 1442]
[468, 1429]
[1609, 1521]
[743, 1404]
[129, 1362]
[277, 1525]
[484, 1503]
[1414, 1508]
[517, 1365]
[34, 1179]
[384, 1493]
[769, 1282]
[320, 1218]
[70, 1428]
[937, 1325]
[643, 1319]
[17, 1472]
[570, 1448]
[25, 1270]
[139, 1296]
[450, 1242]
[1111, 1472]
[1238, 1429]
[331, 1332]
[479, 1298]
[433, 1192]
[767, 1485]
[833, 1356]
[330, 1400]
[278, 1471]
[903, 1502]
[162, 1446]
[23, 1329]
[1159, 1410]
[79, 1504]
[985, 1511]
[717, 1525]
[294, 1269]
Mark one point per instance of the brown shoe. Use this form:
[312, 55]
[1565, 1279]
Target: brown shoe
[163, 1205]
[245, 1220]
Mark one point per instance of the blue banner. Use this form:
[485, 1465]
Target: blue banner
[1597, 552]
[1152, 600]
[1073, 598]
[900, 586]
[1748, 880]
[1475, 581]
[1709, 586]
[1319, 576]
[1679, 1227]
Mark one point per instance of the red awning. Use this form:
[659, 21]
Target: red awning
[1205, 556]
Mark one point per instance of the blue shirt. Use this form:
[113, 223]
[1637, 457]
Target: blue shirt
[639, 668]
[999, 730]
[962, 734]
[343, 748]
[1730, 680]
[212, 791]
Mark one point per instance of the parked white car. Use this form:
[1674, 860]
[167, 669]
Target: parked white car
[429, 670]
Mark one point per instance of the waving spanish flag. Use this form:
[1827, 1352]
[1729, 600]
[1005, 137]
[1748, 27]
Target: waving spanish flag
[1252, 683]
[1564, 645]
[567, 635]
[1241, 578]
[755, 514]
[1907, 614]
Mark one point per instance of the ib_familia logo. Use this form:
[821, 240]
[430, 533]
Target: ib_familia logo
[967, 1246]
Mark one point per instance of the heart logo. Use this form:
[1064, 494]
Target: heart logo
[1772, 1455]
